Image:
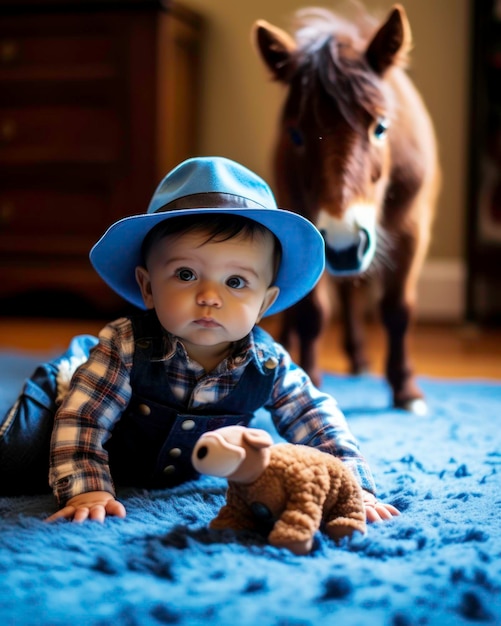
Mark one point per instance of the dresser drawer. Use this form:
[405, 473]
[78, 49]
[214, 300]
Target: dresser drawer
[97, 102]
[58, 57]
[40, 215]
[59, 134]
[64, 61]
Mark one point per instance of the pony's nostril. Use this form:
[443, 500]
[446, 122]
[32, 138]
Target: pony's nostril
[202, 452]
[363, 244]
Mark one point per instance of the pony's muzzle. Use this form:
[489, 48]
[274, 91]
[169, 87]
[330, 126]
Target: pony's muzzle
[350, 241]
[351, 260]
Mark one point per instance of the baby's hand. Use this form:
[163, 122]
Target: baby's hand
[94, 505]
[377, 511]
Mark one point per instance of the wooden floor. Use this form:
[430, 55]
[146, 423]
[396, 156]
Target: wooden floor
[437, 350]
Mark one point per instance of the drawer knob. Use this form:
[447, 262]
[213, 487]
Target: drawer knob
[9, 51]
[6, 213]
[8, 130]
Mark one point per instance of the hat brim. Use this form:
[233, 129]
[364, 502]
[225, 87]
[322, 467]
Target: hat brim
[117, 254]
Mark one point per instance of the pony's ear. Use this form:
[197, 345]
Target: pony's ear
[392, 42]
[276, 48]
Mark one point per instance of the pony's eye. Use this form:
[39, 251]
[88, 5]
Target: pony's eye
[380, 128]
[296, 136]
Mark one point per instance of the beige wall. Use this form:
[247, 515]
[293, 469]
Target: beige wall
[240, 105]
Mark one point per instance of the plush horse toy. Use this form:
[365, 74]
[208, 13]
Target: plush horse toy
[287, 490]
[356, 154]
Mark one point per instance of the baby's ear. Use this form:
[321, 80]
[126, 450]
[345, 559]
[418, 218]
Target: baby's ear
[257, 438]
[269, 298]
[144, 282]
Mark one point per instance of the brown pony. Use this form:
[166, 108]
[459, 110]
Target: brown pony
[356, 154]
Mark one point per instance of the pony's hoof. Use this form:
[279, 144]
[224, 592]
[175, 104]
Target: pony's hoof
[360, 370]
[416, 406]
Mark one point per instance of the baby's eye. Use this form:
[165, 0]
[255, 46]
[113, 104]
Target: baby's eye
[185, 274]
[236, 282]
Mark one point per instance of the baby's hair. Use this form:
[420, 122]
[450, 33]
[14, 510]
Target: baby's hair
[218, 227]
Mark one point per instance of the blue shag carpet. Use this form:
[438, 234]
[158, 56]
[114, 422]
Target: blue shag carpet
[438, 563]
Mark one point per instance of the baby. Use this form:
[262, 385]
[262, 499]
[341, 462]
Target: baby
[212, 255]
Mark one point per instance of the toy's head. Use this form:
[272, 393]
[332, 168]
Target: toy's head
[237, 453]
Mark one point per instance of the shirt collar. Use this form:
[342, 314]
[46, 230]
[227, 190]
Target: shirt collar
[250, 348]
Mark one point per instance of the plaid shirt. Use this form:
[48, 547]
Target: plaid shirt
[100, 391]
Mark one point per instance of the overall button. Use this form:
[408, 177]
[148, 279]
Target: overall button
[168, 470]
[175, 453]
[144, 409]
[271, 363]
[188, 425]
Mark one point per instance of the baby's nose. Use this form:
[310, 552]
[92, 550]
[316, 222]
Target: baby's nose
[209, 296]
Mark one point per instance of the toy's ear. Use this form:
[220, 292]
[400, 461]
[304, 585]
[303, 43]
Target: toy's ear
[257, 438]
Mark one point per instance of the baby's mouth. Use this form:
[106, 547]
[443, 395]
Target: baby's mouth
[207, 322]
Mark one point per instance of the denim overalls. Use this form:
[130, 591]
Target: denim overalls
[151, 444]
[26, 428]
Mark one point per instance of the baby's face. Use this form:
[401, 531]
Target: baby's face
[209, 293]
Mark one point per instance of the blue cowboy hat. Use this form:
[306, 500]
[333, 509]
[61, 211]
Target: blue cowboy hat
[213, 185]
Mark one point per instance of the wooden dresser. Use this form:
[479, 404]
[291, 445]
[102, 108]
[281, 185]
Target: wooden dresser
[98, 100]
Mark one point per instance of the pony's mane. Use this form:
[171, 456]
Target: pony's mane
[314, 24]
[331, 47]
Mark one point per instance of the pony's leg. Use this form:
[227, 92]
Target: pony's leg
[397, 307]
[307, 320]
[351, 310]
[396, 316]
